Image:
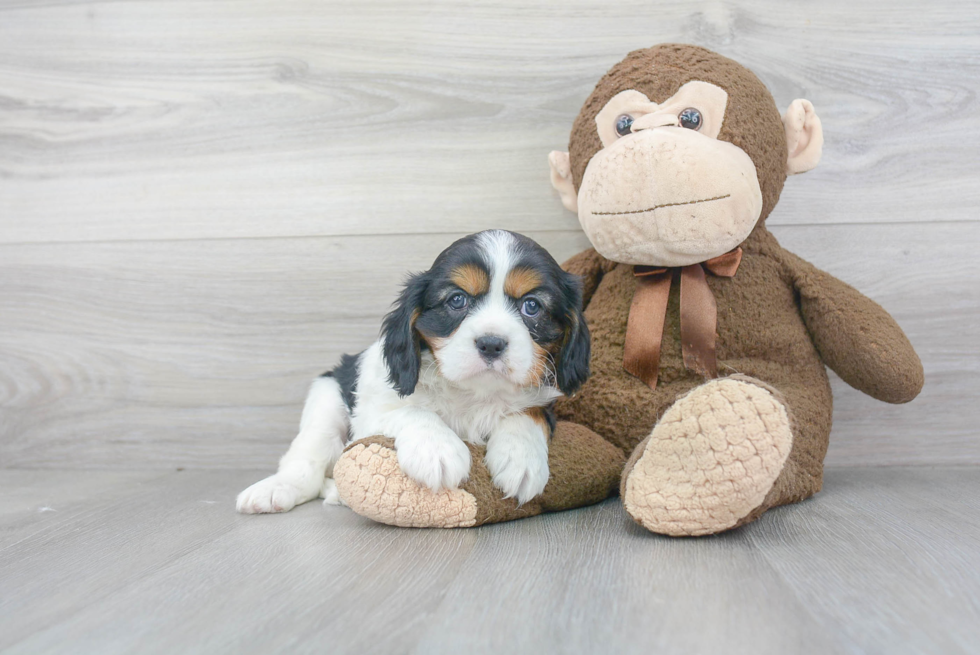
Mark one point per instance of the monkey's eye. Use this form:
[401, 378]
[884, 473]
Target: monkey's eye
[690, 118]
[531, 307]
[457, 301]
[624, 124]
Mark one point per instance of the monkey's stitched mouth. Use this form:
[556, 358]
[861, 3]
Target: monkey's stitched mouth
[667, 204]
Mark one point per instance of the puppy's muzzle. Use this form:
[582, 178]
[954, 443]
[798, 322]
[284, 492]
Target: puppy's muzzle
[491, 347]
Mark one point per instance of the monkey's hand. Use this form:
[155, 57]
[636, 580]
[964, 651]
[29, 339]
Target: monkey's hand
[856, 337]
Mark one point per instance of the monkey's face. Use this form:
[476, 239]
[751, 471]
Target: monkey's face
[678, 154]
[663, 190]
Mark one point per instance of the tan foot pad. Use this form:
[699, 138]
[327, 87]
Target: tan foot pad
[710, 461]
[371, 483]
[585, 469]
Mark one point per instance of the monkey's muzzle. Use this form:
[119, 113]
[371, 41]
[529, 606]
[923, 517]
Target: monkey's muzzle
[668, 197]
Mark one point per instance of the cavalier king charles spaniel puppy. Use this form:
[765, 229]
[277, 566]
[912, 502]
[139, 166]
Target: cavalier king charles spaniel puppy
[476, 349]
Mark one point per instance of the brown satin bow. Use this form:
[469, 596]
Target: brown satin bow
[699, 317]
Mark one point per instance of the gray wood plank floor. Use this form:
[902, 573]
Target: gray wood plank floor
[885, 560]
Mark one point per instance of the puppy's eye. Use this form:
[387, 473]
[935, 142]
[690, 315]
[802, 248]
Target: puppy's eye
[530, 307]
[690, 118]
[457, 301]
[624, 125]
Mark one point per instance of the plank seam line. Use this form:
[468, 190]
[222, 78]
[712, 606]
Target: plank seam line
[6, 244]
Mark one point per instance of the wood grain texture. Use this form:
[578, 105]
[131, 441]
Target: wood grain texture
[883, 561]
[886, 542]
[177, 120]
[155, 521]
[653, 592]
[198, 353]
[32, 499]
[247, 580]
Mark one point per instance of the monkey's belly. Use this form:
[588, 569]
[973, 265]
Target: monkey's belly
[757, 337]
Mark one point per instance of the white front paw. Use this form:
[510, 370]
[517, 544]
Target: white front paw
[519, 464]
[437, 462]
[274, 494]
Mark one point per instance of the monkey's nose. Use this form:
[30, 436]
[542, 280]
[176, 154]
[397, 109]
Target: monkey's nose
[491, 347]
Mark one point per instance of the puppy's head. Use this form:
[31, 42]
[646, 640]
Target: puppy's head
[494, 309]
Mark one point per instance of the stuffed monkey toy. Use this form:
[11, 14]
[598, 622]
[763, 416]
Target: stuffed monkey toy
[710, 342]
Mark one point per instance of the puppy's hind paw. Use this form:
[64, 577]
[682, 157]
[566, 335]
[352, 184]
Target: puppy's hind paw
[330, 494]
[266, 496]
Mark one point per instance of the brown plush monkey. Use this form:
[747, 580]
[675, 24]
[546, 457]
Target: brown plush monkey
[709, 340]
[676, 159]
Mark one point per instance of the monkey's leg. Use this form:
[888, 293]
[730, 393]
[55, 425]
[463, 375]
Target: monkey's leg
[725, 453]
[584, 469]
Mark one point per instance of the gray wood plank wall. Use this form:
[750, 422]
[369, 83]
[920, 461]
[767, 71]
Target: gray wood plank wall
[203, 204]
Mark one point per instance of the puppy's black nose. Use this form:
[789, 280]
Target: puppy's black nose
[491, 347]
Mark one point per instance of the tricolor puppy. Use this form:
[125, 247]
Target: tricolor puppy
[476, 350]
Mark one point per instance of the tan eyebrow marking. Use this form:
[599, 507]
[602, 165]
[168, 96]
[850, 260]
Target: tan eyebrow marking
[470, 278]
[520, 281]
[669, 204]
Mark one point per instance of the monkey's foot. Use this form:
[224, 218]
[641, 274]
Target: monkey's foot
[710, 461]
[585, 469]
[370, 481]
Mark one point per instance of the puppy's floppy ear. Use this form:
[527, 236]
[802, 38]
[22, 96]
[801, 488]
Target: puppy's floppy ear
[573, 361]
[402, 342]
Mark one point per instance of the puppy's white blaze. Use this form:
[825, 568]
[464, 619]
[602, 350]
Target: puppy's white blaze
[499, 248]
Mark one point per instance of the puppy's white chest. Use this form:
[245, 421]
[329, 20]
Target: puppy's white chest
[474, 416]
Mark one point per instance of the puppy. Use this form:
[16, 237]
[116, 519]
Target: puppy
[476, 349]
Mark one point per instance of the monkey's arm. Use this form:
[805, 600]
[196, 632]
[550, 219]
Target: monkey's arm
[855, 337]
[590, 266]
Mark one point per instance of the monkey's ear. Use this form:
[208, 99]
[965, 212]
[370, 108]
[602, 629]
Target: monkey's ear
[804, 137]
[561, 179]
